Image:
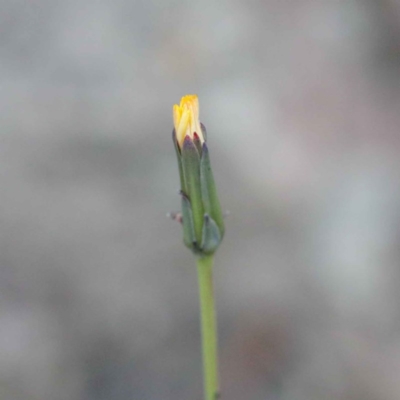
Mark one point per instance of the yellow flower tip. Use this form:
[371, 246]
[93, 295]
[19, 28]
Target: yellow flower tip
[186, 119]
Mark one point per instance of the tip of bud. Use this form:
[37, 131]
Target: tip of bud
[186, 119]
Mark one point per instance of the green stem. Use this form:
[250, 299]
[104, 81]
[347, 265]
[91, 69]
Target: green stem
[208, 327]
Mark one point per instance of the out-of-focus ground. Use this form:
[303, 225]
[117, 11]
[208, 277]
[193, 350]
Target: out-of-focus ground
[98, 296]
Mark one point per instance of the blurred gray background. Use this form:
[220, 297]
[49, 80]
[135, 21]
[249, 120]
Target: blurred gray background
[301, 100]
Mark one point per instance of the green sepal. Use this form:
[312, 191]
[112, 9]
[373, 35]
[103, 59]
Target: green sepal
[189, 237]
[179, 157]
[209, 191]
[191, 172]
[211, 235]
[203, 131]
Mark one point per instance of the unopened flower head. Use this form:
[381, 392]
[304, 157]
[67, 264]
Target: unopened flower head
[186, 119]
[202, 219]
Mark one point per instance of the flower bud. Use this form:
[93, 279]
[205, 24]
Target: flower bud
[203, 225]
